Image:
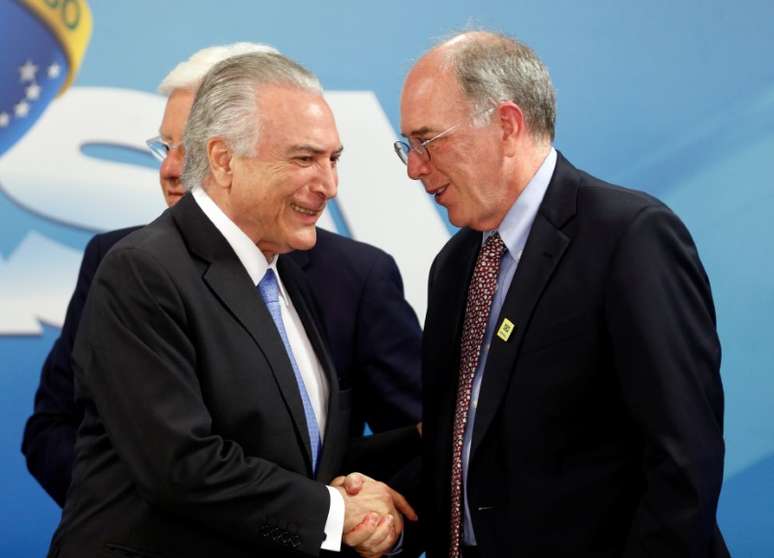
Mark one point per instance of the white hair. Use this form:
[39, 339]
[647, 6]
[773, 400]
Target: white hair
[491, 67]
[226, 106]
[190, 74]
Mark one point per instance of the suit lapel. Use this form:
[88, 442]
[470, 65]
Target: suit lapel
[228, 280]
[546, 245]
[448, 292]
[459, 297]
[300, 257]
[292, 279]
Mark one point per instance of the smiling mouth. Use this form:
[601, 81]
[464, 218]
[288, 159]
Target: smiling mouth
[439, 191]
[305, 211]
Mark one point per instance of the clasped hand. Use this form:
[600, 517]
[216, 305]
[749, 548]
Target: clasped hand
[373, 519]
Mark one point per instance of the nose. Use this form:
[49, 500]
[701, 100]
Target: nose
[328, 180]
[416, 166]
[172, 165]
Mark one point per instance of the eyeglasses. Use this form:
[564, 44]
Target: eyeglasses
[160, 149]
[403, 148]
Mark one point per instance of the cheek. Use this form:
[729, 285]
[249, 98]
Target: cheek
[280, 200]
[458, 165]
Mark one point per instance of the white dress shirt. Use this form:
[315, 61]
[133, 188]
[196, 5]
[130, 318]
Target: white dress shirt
[309, 366]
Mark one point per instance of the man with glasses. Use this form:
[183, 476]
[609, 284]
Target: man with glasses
[572, 396]
[353, 283]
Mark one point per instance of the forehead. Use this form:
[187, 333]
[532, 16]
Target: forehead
[292, 113]
[431, 100]
[176, 112]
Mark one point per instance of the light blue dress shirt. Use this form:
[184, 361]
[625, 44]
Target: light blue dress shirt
[514, 231]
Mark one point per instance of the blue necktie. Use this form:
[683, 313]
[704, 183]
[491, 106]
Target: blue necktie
[269, 289]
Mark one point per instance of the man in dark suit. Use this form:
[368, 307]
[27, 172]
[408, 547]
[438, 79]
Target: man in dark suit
[351, 283]
[572, 397]
[213, 415]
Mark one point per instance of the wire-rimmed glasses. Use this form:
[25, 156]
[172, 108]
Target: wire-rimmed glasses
[403, 148]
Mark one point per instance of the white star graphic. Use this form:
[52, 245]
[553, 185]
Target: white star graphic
[54, 70]
[22, 109]
[33, 92]
[27, 71]
[5, 119]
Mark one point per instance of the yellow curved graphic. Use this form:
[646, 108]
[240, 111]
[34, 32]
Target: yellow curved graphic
[70, 21]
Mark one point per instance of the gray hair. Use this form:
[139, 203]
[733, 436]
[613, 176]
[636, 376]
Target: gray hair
[226, 106]
[190, 73]
[491, 68]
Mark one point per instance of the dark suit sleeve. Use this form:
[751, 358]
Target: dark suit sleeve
[388, 348]
[383, 454]
[49, 436]
[667, 354]
[135, 359]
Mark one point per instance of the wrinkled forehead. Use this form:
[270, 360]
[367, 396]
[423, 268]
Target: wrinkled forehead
[431, 99]
[282, 101]
[176, 111]
[293, 114]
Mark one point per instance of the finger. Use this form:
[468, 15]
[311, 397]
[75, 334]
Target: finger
[353, 483]
[338, 481]
[402, 505]
[397, 524]
[362, 531]
[381, 540]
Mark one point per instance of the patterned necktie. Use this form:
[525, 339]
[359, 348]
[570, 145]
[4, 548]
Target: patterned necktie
[269, 289]
[480, 294]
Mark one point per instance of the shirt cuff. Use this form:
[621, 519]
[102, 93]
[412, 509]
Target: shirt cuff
[334, 525]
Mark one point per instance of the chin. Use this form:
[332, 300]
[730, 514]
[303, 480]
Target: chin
[456, 220]
[305, 240]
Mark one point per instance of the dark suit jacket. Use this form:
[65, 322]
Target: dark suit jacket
[598, 430]
[49, 435]
[373, 333]
[193, 441]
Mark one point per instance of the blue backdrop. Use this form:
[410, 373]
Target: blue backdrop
[675, 98]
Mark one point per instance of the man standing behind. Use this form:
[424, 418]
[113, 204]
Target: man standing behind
[213, 415]
[351, 281]
[572, 396]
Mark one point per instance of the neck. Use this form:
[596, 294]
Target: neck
[524, 168]
[519, 173]
[268, 254]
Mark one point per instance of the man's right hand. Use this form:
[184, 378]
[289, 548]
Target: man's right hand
[372, 520]
[374, 536]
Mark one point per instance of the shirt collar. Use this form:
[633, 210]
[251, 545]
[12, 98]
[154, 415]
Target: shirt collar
[517, 223]
[246, 250]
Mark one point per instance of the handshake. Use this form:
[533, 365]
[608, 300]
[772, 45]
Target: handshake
[373, 519]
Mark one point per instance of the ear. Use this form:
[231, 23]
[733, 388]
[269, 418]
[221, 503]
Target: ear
[220, 158]
[512, 124]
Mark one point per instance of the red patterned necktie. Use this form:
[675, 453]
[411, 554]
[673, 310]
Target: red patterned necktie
[480, 294]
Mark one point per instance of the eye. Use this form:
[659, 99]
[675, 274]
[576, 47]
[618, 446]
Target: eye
[418, 145]
[335, 160]
[304, 160]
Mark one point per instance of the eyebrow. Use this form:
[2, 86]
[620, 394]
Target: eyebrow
[423, 131]
[307, 148]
